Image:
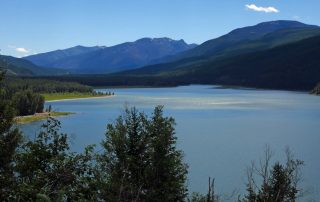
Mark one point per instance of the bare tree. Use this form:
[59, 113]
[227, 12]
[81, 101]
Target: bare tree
[274, 182]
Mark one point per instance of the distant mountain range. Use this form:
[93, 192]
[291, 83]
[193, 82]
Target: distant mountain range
[291, 66]
[284, 58]
[235, 58]
[227, 46]
[124, 56]
[277, 54]
[51, 59]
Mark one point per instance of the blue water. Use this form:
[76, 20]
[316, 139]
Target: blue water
[220, 130]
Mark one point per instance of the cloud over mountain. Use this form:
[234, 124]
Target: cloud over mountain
[269, 9]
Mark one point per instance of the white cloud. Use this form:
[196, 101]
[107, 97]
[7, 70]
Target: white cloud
[262, 9]
[22, 50]
[19, 49]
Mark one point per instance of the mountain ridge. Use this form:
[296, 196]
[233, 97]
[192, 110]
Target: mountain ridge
[268, 41]
[245, 33]
[292, 66]
[123, 56]
[53, 56]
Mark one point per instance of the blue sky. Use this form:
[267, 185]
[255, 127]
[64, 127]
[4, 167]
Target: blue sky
[35, 26]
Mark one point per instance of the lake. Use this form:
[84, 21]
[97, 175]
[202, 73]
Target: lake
[220, 130]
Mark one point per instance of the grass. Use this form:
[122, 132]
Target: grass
[63, 96]
[51, 97]
[39, 116]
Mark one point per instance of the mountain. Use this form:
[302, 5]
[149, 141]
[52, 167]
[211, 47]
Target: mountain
[293, 66]
[21, 67]
[266, 42]
[53, 58]
[124, 56]
[245, 34]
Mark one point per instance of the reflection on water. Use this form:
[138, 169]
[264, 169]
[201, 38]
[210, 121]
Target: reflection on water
[220, 130]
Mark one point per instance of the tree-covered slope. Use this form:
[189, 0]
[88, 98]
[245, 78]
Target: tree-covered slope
[245, 34]
[21, 67]
[293, 66]
[268, 41]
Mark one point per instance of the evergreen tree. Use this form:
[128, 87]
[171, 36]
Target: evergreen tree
[10, 139]
[28, 103]
[125, 159]
[168, 172]
[141, 162]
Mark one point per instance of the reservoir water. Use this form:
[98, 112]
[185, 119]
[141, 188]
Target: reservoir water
[220, 130]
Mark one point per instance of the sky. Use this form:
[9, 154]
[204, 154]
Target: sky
[34, 26]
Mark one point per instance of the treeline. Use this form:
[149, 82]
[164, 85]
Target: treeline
[27, 103]
[44, 85]
[25, 93]
[292, 66]
[23, 101]
[118, 80]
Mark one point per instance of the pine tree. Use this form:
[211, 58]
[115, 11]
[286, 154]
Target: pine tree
[140, 161]
[168, 172]
[10, 139]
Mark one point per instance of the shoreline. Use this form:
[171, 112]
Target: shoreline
[222, 86]
[81, 98]
[39, 117]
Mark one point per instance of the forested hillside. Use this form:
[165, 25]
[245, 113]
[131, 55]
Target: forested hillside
[21, 67]
[26, 94]
[15, 84]
[241, 39]
[293, 66]
[268, 41]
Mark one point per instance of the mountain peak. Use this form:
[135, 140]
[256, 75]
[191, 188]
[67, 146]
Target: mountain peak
[258, 30]
[115, 58]
[282, 24]
[248, 33]
[162, 39]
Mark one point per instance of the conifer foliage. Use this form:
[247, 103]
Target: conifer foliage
[141, 160]
[10, 139]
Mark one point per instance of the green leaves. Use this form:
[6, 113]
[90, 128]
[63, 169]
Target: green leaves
[140, 159]
[46, 168]
[10, 139]
[139, 163]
